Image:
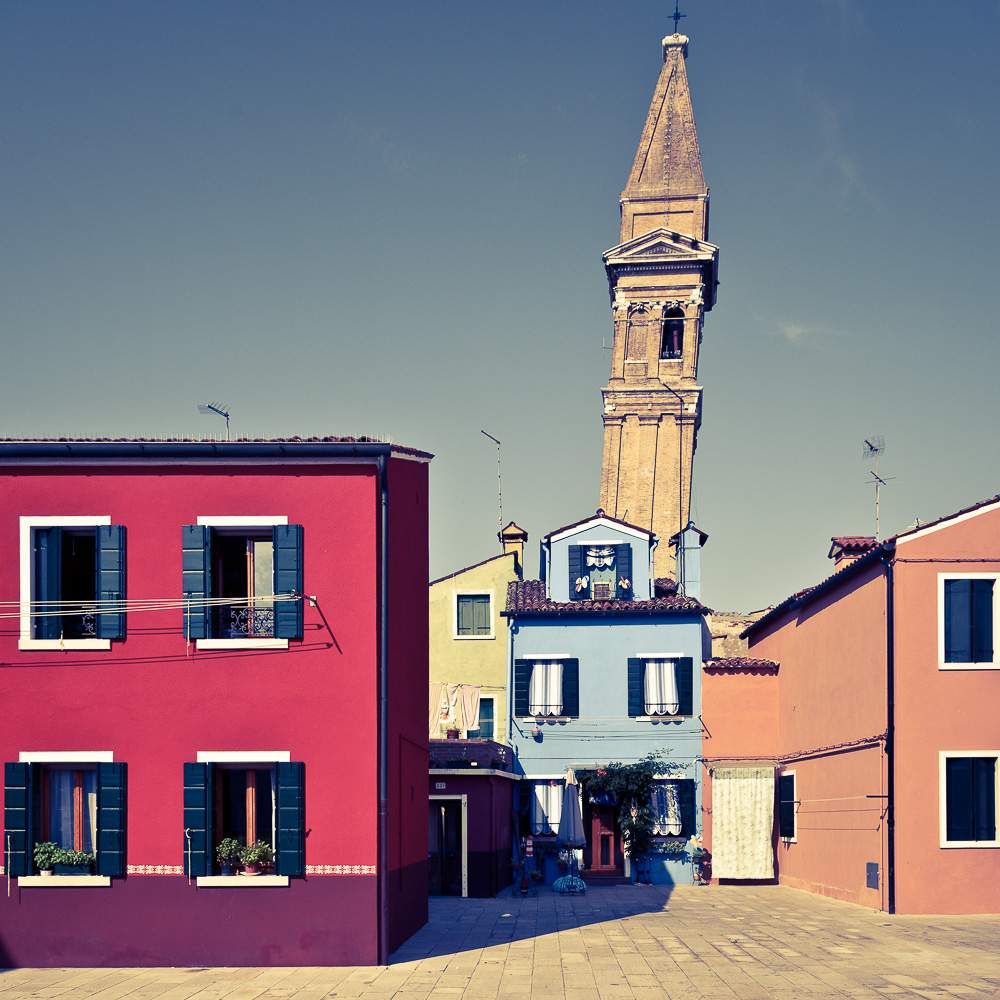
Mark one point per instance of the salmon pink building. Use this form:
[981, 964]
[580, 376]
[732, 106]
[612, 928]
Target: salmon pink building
[209, 641]
[862, 727]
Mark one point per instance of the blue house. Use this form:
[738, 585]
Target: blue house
[605, 665]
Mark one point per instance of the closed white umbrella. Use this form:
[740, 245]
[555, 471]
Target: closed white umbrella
[571, 834]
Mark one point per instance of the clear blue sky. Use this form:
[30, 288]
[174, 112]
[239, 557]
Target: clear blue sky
[388, 218]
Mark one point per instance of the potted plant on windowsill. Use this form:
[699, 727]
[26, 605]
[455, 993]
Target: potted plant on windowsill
[674, 849]
[46, 856]
[74, 863]
[256, 857]
[228, 855]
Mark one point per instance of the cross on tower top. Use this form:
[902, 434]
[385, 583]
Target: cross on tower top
[677, 15]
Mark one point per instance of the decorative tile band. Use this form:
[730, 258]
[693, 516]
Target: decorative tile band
[154, 869]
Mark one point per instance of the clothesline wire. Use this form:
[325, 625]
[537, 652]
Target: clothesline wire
[45, 609]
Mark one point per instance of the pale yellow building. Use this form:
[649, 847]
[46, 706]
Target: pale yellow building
[468, 638]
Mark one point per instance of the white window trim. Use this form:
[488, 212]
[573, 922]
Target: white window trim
[69, 757]
[28, 524]
[242, 757]
[236, 521]
[455, 594]
[465, 833]
[993, 664]
[943, 756]
[794, 838]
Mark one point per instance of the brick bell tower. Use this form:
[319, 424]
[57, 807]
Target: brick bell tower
[662, 279]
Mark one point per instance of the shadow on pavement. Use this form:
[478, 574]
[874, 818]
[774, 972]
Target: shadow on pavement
[456, 925]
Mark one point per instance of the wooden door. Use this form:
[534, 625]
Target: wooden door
[605, 842]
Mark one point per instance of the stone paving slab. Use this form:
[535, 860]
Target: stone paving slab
[614, 943]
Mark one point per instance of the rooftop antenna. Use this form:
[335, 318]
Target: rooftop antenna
[221, 408]
[677, 15]
[499, 489]
[875, 445]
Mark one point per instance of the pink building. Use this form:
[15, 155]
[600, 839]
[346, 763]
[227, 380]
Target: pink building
[872, 696]
[202, 641]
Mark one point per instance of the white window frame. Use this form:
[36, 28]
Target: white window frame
[464, 799]
[993, 664]
[794, 838]
[646, 657]
[945, 755]
[27, 579]
[68, 758]
[248, 758]
[534, 658]
[236, 521]
[481, 592]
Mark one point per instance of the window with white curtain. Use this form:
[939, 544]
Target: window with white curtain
[545, 689]
[546, 806]
[660, 687]
[665, 805]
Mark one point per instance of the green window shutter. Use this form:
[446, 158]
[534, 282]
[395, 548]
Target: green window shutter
[685, 685]
[110, 584]
[958, 621]
[197, 819]
[481, 614]
[786, 806]
[19, 837]
[288, 579]
[623, 571]
[485, 730]
[636, 700]
[47, 622]
[571, 687]
[465, 615]
[197, 580]
[110, 819]
[982, 621]
[522, 675]
[290, 841]
[577, 570]
[687, 801]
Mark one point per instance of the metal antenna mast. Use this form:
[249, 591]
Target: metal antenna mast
[499, 489]
[221, 408]
[875, 445]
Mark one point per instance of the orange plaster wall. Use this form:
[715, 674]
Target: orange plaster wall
[940, 710]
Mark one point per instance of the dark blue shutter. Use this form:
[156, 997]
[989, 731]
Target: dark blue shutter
[18, 836]
[958, 797]
[636, 672]
[522, 675]
[571, 687]
[984, 797]
[958, 621]
[685, 685]
[577, 569]
[982, 621]
[110, 588]
[48, 583]
[686, 800]
[197, 580]
[197, 819]
[290, 840]
[786, 806]
[111, 819]
[288, 580]
[623, 570]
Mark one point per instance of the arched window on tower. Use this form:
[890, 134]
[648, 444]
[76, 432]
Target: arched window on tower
[672, 343]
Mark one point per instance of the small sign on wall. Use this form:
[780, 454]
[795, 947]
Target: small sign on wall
[439, 785]
[529, 847]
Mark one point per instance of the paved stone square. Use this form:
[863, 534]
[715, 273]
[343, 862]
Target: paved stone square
[614, 943]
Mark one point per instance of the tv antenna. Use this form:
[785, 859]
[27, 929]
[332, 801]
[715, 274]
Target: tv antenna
[499, 489]
[222, 409]
[875, 445]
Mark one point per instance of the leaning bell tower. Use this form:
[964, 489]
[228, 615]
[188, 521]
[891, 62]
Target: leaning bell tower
[662, 278]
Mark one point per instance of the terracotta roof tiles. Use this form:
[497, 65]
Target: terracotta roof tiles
[528, 597]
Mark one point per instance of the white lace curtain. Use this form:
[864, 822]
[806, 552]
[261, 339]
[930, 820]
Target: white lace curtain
[546, 807]
[742, 822]
[545, 695]
[601, 556]
[660, 687]
[665, 804]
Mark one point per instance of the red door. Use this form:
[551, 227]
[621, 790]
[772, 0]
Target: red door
[605, 842]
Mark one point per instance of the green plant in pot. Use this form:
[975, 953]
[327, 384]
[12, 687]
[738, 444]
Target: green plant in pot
[74, 863]
[228, 854]
[255, 857]
[47, 856]
[673, 849]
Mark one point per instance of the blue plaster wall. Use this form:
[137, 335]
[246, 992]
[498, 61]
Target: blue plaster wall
[558, 568]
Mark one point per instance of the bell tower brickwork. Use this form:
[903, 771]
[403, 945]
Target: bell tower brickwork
[662, 279]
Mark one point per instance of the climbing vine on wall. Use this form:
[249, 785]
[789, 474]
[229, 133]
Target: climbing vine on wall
[631, 784]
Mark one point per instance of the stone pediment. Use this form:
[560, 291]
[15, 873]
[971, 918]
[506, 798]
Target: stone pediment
[662, 243]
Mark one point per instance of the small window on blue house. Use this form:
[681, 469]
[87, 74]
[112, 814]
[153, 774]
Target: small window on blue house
[600, 572]
[660, 686]
[968, 615]
[546, 807]
[547, 687]
[969, 806]
[672, 805]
